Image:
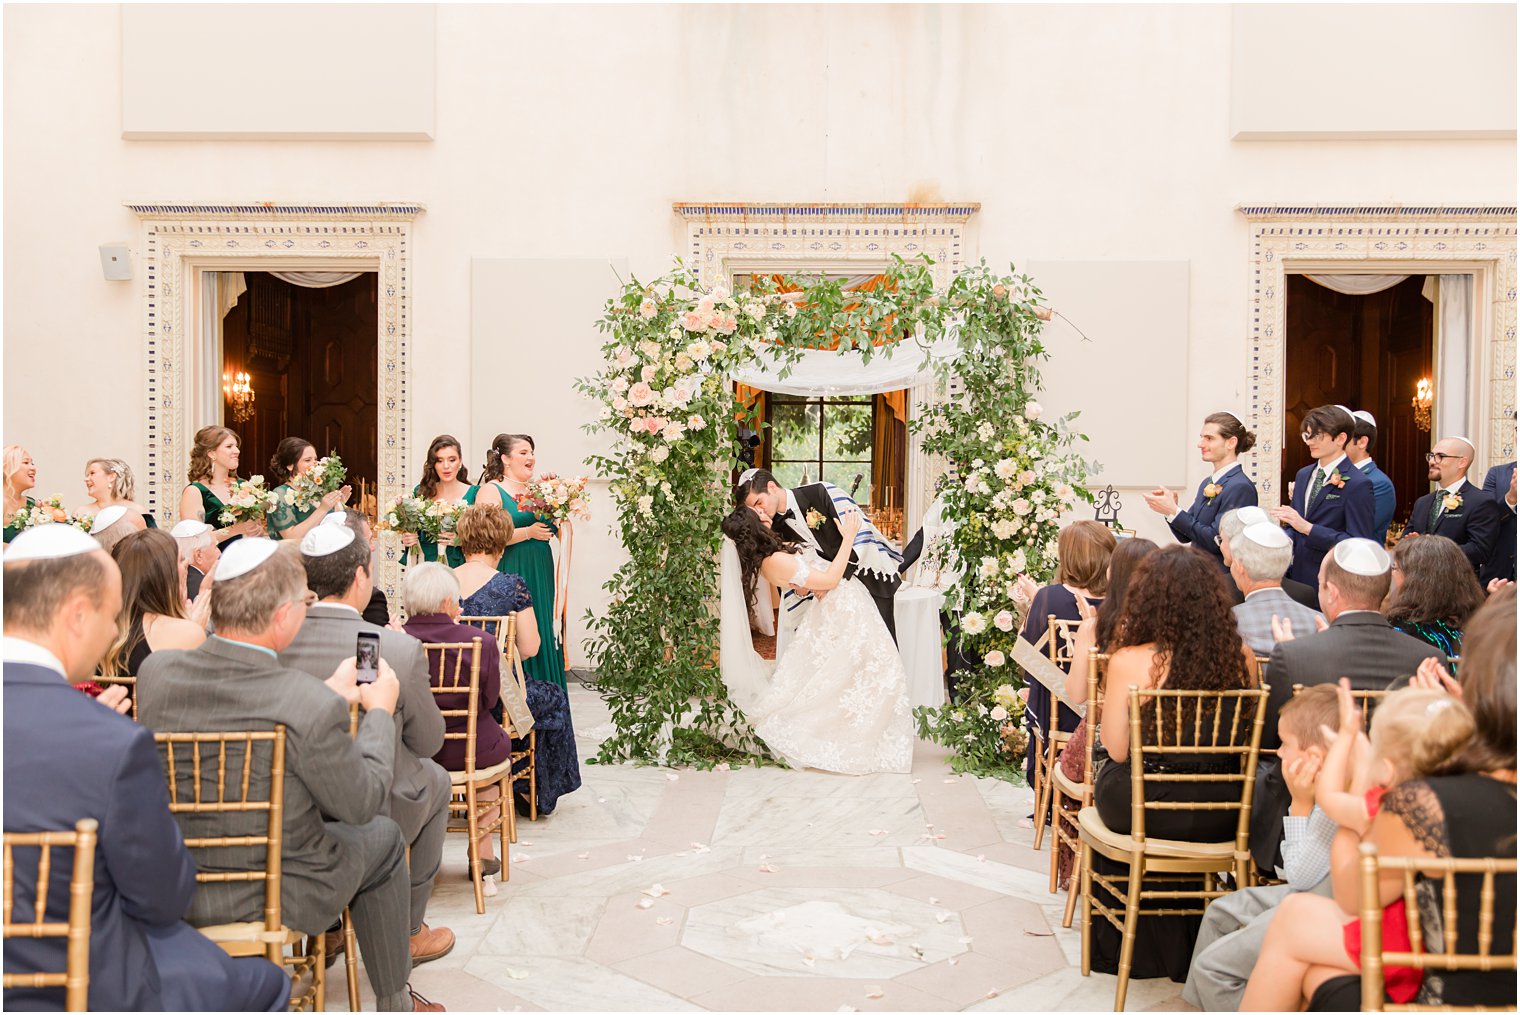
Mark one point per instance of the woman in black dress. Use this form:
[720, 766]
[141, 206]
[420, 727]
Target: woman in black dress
[153, 599]
[1176, 633]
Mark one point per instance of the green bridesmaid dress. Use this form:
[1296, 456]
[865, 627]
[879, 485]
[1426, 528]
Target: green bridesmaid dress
[453, 555]
[211, 508]
[533, 559]
[286, 516]
[12, 531]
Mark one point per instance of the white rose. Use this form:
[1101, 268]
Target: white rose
[1026, 477]
[1021, 507]
[1017, 562]
[998, 713]
[1003, 621]
[620, 385]
[1032, 410]
[973, 623]
[1003, 528]
[659, 454]
[994, 658]
[650, 348]
[989, 567]
[682, 361]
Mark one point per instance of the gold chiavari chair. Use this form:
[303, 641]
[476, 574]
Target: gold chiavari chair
[1224, 725]
[1366, 701]
[130, 683]
[194, 758]
[75, 979]
[1063, 828]
[1453, 954]
[1050, 739]
[453, 677]
[524, 741]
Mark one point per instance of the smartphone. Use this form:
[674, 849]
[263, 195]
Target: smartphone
[367, 657]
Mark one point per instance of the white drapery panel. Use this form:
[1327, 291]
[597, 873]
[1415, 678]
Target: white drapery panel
[1357, 285]
[316, 279]
[1453, 297]
[823, 373]
[230, 286]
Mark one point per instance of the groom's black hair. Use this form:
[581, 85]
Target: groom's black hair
[758, 483]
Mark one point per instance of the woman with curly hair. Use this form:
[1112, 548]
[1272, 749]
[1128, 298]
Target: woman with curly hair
[1433, 595]
[1176, 632]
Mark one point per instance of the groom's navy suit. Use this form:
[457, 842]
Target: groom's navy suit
[1199, 524]
[1338, 512]
[815, 497]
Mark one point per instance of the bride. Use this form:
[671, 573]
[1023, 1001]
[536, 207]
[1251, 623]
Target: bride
[838, 698]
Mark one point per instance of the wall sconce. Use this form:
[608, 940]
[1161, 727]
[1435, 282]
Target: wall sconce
[239, 394]
[1421, 401]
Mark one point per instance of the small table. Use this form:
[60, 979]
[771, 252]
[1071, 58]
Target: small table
[916, 612]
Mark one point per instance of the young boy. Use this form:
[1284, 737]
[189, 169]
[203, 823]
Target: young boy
[1235, 925]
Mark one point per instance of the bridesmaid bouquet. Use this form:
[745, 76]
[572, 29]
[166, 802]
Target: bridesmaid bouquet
[250, 500]
[327, 475]
[44, 512]
[427, 518]
[556, 499]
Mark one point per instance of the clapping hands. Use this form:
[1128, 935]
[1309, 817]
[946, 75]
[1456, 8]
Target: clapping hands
[1162, 501]
[1282, 630]
[1432, 676]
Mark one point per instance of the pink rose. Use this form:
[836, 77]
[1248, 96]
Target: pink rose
[641, 394]
[656, 423]
[648, 372]
[624, 357]
[705, 306]
[693, 321]
[725, 325]
[648, 309]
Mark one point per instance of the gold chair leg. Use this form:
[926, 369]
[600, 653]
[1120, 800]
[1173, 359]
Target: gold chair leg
[1085, 858]
[533, 775]
[1041, 787]
[319, 975]
[1131, 924]
[1055, 841]
[1071, 893]
[472, 824]
[351, 961]
[508, 813]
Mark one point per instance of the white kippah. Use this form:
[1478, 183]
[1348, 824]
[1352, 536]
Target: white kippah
[1365, 417]
[1236, 418]
[747, 475]
[334, 518]
[189, 529]
[1470, 445]
[1266, 534]
[325, 539]
[1362, 556]
[1251, 515]
[107, 518]
[244, 555]
[49, 542]
[1345, 408]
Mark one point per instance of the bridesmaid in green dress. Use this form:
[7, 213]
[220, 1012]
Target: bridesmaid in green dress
[444, 478]
[109, 483]
[508, 470]
[213, 467]
[20, 476]
[292, 457]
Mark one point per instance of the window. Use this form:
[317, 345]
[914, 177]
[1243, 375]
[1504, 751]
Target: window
[811, 439]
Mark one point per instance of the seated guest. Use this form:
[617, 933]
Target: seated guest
[1175, 633]
[1234, 925]
[108, 481]
[1467, 811]
[338, 850]
[337, 564]
[114, 524]
[1359, 451]
[1232, 524]
[1083, 549]
[198, 550]
[1221, 442]
[430, 593]
[1433, 594]
[1332, 499]
[154, 603]
[482, 534]
[1259, 558]
[1456, 509]
[1313, 938]
[68, 757]
[1500, 485]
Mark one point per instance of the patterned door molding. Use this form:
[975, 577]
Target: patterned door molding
[1377, 240]
[181, 241]
[727, 239]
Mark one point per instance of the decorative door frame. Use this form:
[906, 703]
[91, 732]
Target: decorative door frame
[1383, 240]
[723, 239]
[181, 241]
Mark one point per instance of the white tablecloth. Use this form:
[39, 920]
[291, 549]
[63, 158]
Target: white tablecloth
[918, 640]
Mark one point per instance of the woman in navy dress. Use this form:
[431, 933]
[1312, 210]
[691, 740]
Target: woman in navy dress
[1221, 442]
[483, 533]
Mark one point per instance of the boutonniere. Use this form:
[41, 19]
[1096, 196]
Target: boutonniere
[1452, 501]
[1336, 480]
[815, 518]
[1211, 491]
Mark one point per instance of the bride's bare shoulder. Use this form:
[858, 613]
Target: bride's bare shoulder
[779, 566]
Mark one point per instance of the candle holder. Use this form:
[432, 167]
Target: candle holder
[238, 390]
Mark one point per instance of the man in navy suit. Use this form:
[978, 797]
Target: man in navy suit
[1500, 485]
[1384, 499]
[1221, 442]
[68, 757]
[1332, 499]
[1456, 509]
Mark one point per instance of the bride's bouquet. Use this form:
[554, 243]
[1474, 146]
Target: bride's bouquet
[427, 519]
[250, 500]
[556, 499]
[327, 475]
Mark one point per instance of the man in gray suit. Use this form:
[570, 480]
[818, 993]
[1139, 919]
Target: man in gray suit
[336, 555]
[338, 849]
[1259, 557]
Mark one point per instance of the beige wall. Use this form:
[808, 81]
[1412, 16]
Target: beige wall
[1088, 134]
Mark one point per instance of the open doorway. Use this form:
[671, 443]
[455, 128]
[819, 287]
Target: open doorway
[308, 343]
[1366, 352]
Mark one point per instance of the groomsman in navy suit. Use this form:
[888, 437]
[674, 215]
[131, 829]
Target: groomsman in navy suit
[1223, 439]
[1456, 509]
[1384, 499]
[1500, 485]
[1332, 499]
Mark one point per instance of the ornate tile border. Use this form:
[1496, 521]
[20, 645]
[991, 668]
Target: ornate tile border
[180, 240]
[1288, 239]
[724, 238]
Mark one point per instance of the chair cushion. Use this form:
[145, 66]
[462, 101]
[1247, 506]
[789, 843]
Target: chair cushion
[1095, 831]
[481, 774]
[1065, 784]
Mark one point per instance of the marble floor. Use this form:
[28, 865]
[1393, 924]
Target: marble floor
[763, 890]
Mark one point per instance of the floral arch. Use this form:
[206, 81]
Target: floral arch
[667, 397]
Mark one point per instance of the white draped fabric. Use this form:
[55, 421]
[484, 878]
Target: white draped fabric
[316, 279]
[1357, 285]
[823, 373]
[1453, 297]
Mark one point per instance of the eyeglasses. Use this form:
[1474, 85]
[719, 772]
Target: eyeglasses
[1436, 456]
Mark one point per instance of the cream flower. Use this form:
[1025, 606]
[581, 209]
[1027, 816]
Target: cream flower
[640, 394]
[648, 308]
[998, 713]
[695, 423]
[1033, 410]
[994, 658]
[973, 623]
[1003, 621]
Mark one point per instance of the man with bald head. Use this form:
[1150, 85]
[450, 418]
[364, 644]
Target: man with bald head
[1456, 509]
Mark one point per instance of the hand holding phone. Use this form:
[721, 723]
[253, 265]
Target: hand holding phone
[367, 657]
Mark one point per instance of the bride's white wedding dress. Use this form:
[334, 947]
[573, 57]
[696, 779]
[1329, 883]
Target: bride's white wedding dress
[837, 700]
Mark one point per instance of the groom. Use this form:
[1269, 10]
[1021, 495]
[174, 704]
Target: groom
[872, 561]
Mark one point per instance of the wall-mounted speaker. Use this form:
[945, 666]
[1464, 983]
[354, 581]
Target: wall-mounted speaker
[116, 262]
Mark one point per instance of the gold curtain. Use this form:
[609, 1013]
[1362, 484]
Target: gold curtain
[752, 414]
[889, 453]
